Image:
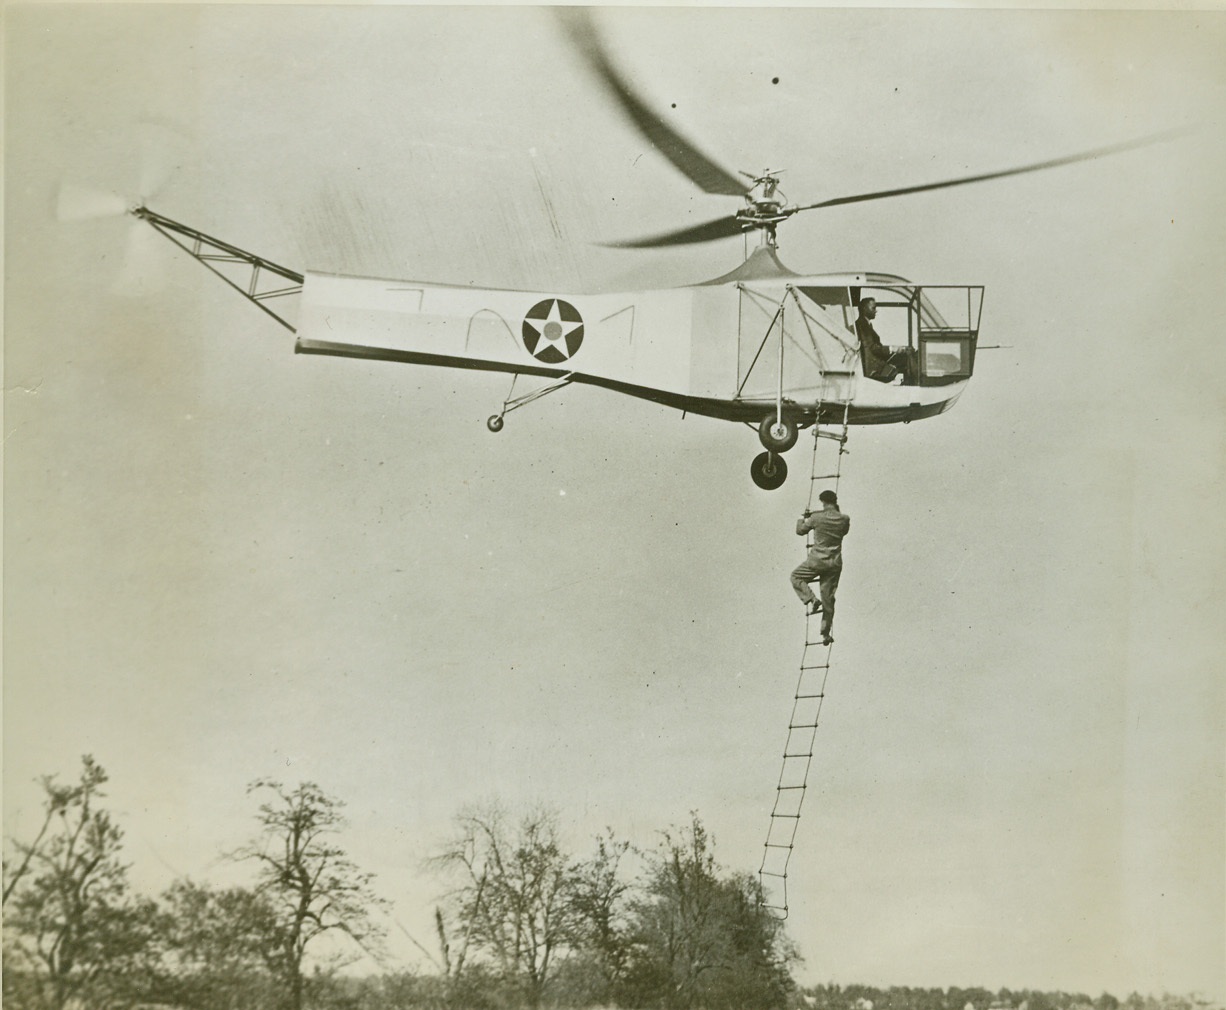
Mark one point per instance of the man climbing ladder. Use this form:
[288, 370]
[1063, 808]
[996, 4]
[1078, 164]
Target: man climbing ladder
[825, 560]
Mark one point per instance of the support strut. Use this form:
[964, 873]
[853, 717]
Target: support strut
[257, 279]
[514, 403]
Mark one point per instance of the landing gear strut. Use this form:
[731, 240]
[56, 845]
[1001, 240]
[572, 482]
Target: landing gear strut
[768, 470]
[496, 421]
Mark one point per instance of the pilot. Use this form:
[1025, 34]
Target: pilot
[880, 362]
[825, 560]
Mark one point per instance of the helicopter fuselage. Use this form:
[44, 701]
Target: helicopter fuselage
[755, 343]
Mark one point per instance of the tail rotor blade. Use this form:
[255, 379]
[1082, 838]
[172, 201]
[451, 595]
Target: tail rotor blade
[80, 203]
[144, 262]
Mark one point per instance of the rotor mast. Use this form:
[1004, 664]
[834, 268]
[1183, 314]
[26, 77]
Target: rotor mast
[764, 208]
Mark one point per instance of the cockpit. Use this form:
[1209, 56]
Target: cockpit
[908, 334]
[916, 344]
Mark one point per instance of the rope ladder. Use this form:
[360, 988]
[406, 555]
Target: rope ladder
[806, 712]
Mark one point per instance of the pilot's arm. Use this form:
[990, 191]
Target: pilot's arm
[803, 526]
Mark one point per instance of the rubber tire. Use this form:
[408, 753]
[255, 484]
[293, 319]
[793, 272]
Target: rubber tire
[771, 441]
[495, 422]
[768, 470]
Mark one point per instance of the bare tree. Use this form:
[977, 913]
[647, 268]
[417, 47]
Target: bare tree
[512, 901]
[309, 881]
[598, 896]
[73, 930]
[676, 924]
[58, 800]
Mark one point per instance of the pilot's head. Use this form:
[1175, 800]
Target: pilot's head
[868, 307]
[828, 497]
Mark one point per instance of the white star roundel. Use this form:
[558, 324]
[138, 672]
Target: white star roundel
[553, 331]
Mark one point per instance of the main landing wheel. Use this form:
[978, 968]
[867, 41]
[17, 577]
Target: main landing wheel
[768, 471]
[777, 436]
[495, 422]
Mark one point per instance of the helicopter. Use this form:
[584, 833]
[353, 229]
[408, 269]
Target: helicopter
[761, 344]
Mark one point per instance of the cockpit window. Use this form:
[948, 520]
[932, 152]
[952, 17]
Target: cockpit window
[930, 318]
[941, 359]
[828, 296]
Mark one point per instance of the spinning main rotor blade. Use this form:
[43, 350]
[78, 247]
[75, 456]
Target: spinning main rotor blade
[721, 227]
[700, 169]
[1098, 152]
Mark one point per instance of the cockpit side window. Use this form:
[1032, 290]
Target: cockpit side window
[942, 358]
[946, 336]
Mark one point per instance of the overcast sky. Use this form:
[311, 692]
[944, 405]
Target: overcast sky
[223, 561]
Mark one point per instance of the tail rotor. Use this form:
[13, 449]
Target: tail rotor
[161, 146]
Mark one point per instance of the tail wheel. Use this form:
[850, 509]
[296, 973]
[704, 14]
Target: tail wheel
[768, 471]
[776, 435]
[495, 422]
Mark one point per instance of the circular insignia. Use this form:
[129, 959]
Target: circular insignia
[553, 330]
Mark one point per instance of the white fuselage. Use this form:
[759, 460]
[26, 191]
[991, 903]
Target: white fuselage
[730, 348]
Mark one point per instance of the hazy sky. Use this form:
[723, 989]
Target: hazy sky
[223, 561]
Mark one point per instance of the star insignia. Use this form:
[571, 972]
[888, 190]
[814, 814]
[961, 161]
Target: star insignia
[553, 330]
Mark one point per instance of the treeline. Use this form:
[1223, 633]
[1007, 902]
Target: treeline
[862, 997]
[525, 923]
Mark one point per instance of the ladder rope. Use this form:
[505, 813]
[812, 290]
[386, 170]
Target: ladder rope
[807, 700]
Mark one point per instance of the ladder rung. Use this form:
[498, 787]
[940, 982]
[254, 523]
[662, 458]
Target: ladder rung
[802, 725]
[790, 817]
[816, 666]
[777, 845]
[809, 755]
[769, 873]
[781, 788]
[802, 697]
[825, 476]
